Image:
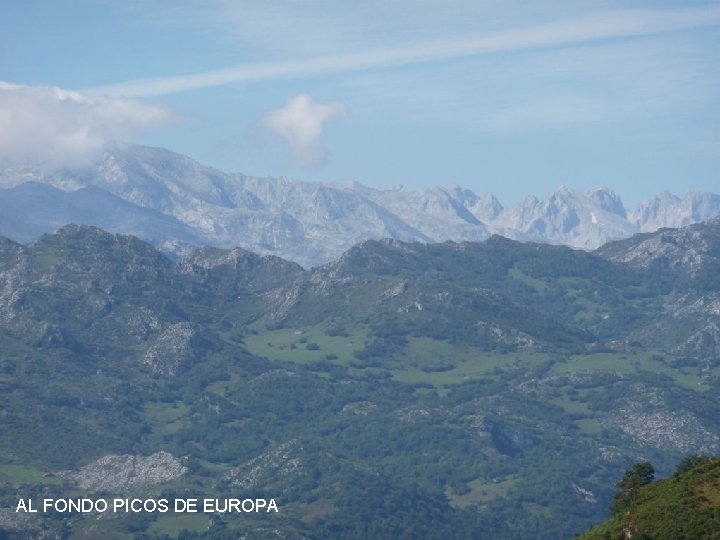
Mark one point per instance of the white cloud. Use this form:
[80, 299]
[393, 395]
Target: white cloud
[300, 123]
[51, 127]
[568, 32]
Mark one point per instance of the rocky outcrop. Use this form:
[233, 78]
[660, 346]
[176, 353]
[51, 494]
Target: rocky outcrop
[172, 350]
[278, 462]
[648, 420]
[687, 251]
[120, 473]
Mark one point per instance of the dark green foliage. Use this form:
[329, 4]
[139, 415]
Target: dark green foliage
[686, 505]
[639, 475]
[690, 462]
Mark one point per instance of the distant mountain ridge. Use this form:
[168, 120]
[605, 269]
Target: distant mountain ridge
[177, 203]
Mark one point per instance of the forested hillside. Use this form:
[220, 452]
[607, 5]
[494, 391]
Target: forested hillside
[457, 390]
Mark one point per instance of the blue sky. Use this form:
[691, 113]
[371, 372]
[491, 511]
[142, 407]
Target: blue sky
[512, 97]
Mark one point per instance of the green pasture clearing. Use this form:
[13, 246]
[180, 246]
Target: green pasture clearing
[482, 492]
[537, 284]
[173, 524]
[16, 475]
[167, 417]
[572, 406]
[215, 467]
[291, 344]
[439, 364]
[312, 511]
[222, 388]
[537, 509]
[629, 363]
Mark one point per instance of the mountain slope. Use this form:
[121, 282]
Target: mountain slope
[31, 209]
[686, 505]
[691, 250]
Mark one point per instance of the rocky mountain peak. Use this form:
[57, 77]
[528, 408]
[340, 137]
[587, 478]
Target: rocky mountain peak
[608, 200]
[667, 210]
[175, 203]
[486, 208]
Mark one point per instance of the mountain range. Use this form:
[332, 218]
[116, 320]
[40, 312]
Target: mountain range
[176, 204]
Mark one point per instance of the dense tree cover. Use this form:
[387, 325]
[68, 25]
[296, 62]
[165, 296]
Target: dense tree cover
[641, 474]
